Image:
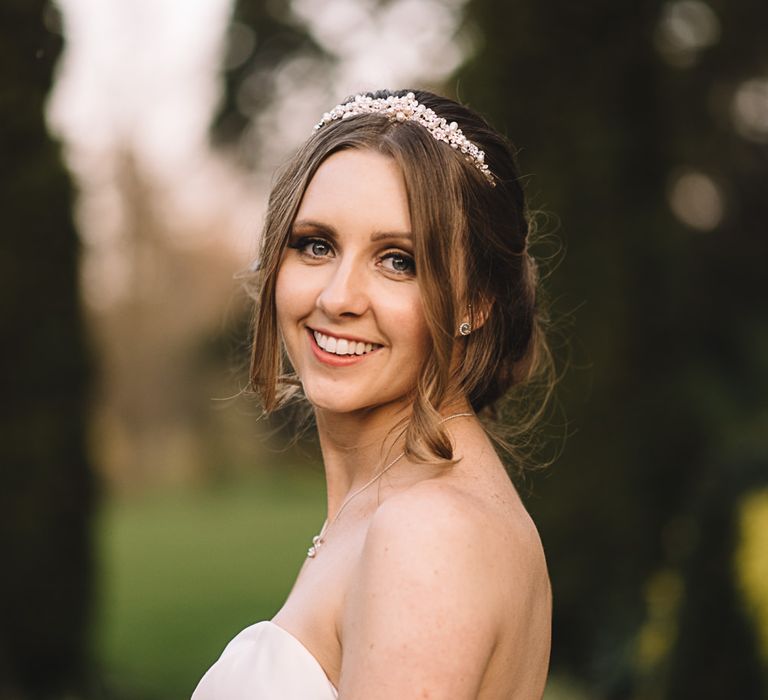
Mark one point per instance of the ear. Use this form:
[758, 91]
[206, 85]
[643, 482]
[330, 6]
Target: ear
[475, 315]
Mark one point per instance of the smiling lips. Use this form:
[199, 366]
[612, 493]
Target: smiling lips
[334, 349]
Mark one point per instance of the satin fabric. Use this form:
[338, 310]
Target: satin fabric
[264, 662]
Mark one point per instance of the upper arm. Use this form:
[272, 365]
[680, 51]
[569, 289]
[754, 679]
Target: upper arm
[421, 617]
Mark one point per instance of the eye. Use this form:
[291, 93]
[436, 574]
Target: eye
[399, 263]
[312, 247]
[318, 248]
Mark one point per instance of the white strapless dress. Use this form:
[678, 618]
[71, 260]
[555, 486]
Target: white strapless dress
[264, 662]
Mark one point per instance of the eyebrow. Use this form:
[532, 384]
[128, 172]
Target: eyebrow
[381, 235]
[331, 231]
[310, 223]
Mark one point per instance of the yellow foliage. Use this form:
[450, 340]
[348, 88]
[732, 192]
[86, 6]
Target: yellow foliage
[663, 593]
[752, 561]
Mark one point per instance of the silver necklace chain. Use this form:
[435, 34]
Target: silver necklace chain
[319, 539]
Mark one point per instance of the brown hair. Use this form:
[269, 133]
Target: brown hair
[464, 230]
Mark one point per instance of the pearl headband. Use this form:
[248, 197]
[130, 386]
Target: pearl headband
[407, 108]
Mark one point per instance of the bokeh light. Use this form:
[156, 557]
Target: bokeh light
[749, 109]
[685, 28]
[696, 200]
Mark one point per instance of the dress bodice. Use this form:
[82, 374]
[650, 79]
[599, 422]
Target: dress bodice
[265, 662]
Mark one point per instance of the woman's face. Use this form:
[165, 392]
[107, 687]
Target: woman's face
[348, 304]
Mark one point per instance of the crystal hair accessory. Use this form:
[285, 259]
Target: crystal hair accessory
[408, 108]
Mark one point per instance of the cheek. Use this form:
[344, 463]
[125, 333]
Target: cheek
[282, 298]
[289, 305]
[408, 321]
[293, 295]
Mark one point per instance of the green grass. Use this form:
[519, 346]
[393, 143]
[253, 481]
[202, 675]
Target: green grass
[182, 572]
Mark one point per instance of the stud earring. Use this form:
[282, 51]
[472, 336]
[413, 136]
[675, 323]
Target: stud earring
[465, 329]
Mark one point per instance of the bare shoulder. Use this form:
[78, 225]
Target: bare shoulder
[488, 535]
[437, 532]
[428, 605]
[432, 510]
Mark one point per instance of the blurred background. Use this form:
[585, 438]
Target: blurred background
[147, 516]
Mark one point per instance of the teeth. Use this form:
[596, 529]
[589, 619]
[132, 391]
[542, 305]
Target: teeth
[342, 346]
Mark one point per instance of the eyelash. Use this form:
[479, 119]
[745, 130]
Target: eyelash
[302, 243]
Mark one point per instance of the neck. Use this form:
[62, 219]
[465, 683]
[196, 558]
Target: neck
[358, 445]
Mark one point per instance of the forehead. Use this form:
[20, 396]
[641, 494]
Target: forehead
[358, 189]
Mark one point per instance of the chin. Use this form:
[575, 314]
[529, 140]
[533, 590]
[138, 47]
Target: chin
[339, 404]
[349, 403]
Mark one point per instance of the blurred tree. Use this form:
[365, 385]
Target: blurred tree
[260, 37]
[716, 653]
[46, 489]
[672, 322]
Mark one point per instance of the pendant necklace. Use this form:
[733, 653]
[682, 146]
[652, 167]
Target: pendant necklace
[319, 539]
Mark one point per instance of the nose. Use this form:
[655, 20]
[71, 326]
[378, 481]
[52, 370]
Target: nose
[344, 292]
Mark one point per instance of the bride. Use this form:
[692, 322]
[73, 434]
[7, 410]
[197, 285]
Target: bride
[396, 295]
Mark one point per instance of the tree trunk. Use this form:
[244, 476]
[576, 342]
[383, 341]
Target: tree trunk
[46, 485]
